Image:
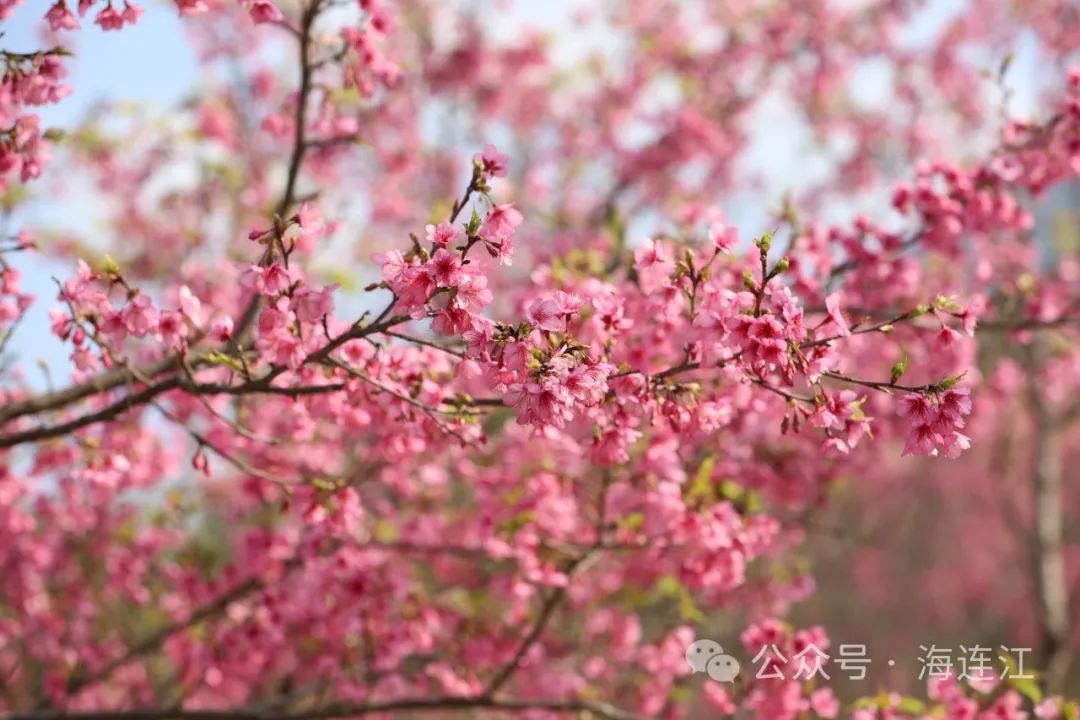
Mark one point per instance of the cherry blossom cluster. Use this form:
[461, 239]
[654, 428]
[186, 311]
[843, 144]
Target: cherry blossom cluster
[936, 421]
[13, 301]
[571, 417]
[112, 17]
[29, 79]
[90, 317]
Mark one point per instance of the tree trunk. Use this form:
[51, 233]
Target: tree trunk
[1052, 654]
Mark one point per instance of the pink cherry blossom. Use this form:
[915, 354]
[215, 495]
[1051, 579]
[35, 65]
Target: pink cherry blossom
[60, 18]
[491, 161]
[139, 315]
[832, 304]
[442, 234]
[109, 18]
[500, 223]
[264, 11]
[545, 314]
[257, 474]
[445, 268]
[723, 236]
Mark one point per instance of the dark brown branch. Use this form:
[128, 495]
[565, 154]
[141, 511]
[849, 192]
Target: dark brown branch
[109, 412]
[426, 343]
[853, 263]
[300, 145]
[507, 671]
[781, 392]
[179, 381]
[341, 710]
[547, 610]
[296, 158]
[154, 641]
[102, 383]
[881, 385]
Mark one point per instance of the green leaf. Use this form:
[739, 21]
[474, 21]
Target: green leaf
[701, 488]
[474, 224]
[950, 382]
[385, 531]
[748, 281]
[219, 358]
[1028, 688]
[912, 706]
[109, 265]
[633, 521]
[732, 491]
[514, 495]
[948, 303]
[898, 370]
[511, 526]
[324, 484]
[669, 586]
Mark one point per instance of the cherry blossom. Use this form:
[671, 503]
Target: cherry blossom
[576, 411]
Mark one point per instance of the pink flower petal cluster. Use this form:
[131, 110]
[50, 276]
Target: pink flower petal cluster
[935, 422]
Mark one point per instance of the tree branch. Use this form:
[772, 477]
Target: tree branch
[179, 381]
[341, 710]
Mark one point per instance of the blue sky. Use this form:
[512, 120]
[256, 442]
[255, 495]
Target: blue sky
[151, 62]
